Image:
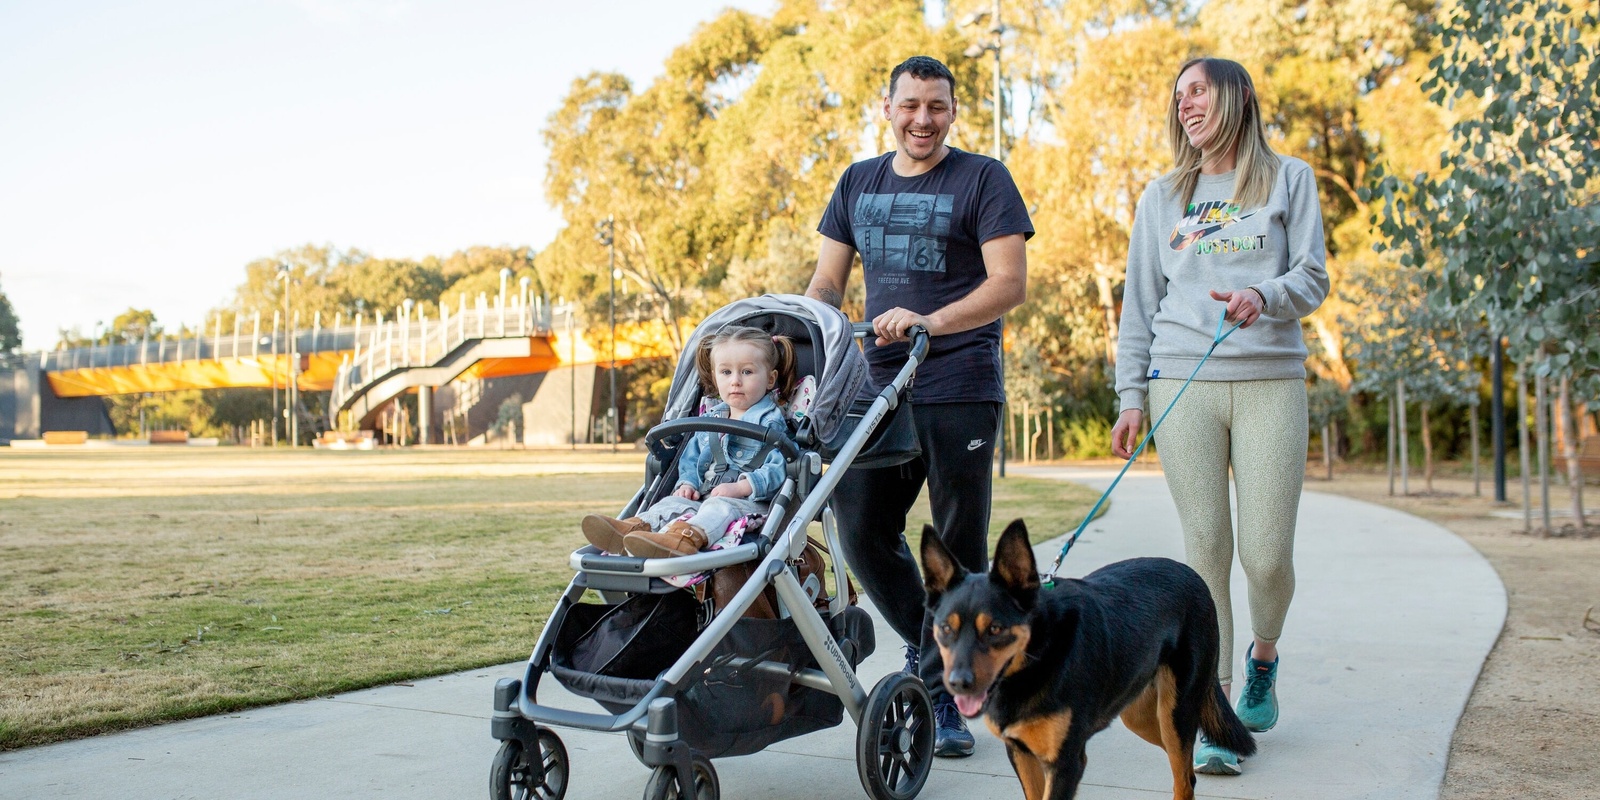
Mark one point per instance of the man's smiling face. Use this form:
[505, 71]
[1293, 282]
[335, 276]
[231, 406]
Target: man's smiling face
[920, 112]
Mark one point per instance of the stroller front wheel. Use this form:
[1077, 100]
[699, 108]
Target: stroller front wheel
[664, 784]
[894, 745]
[512, 776]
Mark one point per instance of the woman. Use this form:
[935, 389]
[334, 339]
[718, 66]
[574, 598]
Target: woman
[1234, 229]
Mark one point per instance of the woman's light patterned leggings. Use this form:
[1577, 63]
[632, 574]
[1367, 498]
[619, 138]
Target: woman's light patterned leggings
[1260, 428]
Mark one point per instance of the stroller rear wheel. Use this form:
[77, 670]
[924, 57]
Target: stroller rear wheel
[894, 745]
[664, 784]
[512, 775]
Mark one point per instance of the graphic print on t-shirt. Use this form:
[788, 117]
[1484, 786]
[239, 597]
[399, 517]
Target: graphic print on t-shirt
[1201, 220]
[901, 233]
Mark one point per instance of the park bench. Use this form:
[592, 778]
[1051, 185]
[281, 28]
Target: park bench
[65, 437]
[169, 437]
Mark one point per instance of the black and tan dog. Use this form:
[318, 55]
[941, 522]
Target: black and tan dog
[1050, 667]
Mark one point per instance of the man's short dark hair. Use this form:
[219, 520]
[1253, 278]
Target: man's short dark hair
[924, 68]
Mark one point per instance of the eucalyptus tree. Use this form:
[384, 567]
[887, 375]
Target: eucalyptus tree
[1408, 350]
[1508, 226]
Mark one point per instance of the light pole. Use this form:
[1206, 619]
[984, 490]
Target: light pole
[290, 389]
[977, 51]
[608, 237]
[274, 373]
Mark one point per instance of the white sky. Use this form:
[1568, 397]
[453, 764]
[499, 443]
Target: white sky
[149, 150]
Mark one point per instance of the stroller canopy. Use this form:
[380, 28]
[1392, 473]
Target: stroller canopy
[824, 347]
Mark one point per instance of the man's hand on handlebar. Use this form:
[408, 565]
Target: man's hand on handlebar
[895, 325]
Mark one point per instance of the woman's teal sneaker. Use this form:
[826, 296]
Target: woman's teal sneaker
[1214, 759]
[1258, 706]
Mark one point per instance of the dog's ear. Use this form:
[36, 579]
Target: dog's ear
[940, 570]
[1014, 566]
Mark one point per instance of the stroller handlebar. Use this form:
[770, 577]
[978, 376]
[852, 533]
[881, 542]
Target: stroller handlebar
[919, 338]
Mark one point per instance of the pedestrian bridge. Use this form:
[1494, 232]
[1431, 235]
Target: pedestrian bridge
[363, 366]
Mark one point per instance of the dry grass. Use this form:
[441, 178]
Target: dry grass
[146, 585]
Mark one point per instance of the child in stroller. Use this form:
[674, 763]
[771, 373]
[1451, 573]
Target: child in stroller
[721, 478]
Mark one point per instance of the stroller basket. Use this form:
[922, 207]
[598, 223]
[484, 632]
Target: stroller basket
[743, 697]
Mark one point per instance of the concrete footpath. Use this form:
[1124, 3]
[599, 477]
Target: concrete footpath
[1391, 621]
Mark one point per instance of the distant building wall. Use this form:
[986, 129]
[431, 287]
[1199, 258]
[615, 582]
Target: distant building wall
[547, 419]
[465, 410]
[72, 413]
[19, 403]
[29, 407]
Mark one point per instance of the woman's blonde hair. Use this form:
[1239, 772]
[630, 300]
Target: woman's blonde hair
[1239, 125]
[777, 350]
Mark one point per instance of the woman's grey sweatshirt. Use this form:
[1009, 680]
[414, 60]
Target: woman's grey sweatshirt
[1175, 260]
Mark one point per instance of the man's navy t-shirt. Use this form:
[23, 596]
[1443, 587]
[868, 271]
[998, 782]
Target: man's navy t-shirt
[920, 241]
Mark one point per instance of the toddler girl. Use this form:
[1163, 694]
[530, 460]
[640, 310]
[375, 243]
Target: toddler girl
[720, 478]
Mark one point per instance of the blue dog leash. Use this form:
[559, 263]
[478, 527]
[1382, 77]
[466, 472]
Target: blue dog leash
[1049, 577]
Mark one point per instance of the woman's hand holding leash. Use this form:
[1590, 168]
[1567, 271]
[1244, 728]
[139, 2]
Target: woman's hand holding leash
[1125, 435]
[1244, 306]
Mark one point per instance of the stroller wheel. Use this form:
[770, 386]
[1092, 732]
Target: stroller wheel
[894, 745]
[512, 775]
[663, 783]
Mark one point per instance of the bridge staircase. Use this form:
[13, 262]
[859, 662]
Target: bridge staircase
[405, 355]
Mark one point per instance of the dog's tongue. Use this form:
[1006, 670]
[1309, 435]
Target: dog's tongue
[969, 705]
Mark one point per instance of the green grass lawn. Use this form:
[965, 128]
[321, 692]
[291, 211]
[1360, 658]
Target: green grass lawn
[144, 585]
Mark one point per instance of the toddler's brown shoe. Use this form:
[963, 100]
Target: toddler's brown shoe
[678, 539]
[607, 533]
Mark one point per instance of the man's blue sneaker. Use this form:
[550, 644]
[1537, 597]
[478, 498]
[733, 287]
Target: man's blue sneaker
[1214, 759]
[913, 658]
[1258, 706]
[951, 739]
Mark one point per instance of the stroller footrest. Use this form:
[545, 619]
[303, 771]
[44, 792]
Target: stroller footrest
[633, 584]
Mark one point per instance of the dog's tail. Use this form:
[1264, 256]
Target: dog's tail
[1223, 727]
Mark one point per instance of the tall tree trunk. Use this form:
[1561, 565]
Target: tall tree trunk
[1477, 484]
[1327, 451]
[1335, 424]
[1405, 436]
[1391, 445]
[1522, 447]
[1332, 352]
[1541, 421]
[1569, 436]
[1427, 452]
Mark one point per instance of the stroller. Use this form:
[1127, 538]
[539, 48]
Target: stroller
[687, 681]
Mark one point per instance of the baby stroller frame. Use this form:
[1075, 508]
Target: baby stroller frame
[894, 721]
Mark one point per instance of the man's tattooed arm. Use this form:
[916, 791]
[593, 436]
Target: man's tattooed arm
[827, 294]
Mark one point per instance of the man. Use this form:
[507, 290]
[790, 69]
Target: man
[941, 235]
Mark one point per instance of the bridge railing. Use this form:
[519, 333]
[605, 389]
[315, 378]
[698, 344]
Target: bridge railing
[396, 337]
[402, 342]
[195, 347]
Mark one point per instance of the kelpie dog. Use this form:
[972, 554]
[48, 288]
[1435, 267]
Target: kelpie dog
[1050, 666]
